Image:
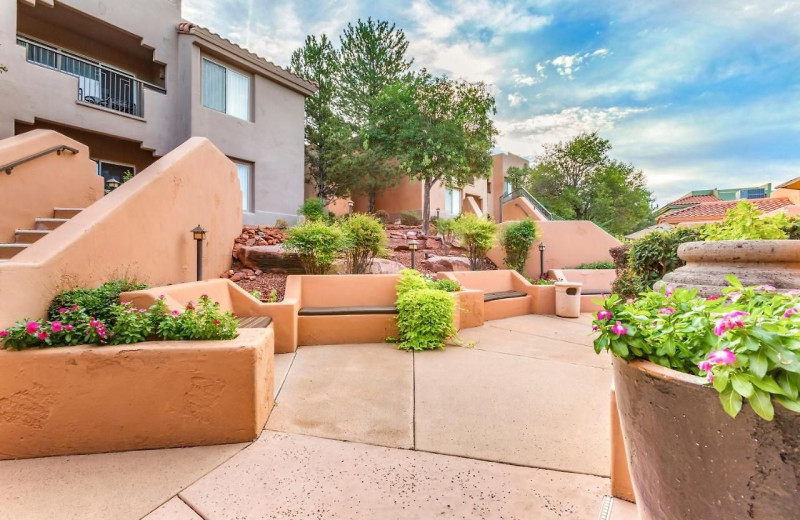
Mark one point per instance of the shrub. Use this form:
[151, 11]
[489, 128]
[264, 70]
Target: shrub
[272, 297]
[747, 342]
[619, 255]
[446, 285]
[517, 238]
[541, 281]
[446, 228]
[96, 303]
[477, 235]
[410, 218]
[744, 222]
[424, 319]
[383, 216]
[364, 240]
[602, 264]
[316, 243]
[281, 223]
[410, 280]
[792, 228]
[313, 209]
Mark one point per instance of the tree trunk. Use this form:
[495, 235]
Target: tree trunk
[426, 206]
[371, 196]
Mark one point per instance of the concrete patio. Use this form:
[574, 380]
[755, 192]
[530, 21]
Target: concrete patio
[514, 427]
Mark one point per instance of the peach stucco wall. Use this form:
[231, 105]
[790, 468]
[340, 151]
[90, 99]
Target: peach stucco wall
[141, 231]
[786, 193]
[568, 243]
[520, 208]
[36, 187]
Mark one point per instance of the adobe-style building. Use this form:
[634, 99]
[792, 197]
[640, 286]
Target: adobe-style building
[132, 80]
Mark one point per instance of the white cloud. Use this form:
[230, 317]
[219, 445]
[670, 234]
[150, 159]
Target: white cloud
[502, 18]
[568, 64]
[461, 60]
[515, 98]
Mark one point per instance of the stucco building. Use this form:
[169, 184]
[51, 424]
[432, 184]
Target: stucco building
[132, 80]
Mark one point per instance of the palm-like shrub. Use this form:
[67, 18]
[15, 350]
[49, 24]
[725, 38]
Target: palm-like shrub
[517, 239]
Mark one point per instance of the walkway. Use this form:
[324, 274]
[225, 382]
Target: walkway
[515, 428]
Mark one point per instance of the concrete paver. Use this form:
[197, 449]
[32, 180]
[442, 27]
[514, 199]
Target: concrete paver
[106, 486]
[283, 363]
[295, 476]
[572, 330]
[361, 393]
[515, 409]
[174, 509]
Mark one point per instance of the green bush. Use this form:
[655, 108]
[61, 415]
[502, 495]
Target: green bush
[541, 281]
[383, 216]
[364, 240]
[446, 285]
[792, 228]
[744, 222]
[410, 218]
[446, 228]
[316, 243]
[619, 254]
[477, 235]
[410, 280]
[281, 223]
[602, 264]
[517, 238]
[425, 319]
[313, 209]
[96, 303]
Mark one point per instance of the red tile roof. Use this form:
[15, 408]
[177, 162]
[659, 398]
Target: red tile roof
[717, 210]
[695, 199]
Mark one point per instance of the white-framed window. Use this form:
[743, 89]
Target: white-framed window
[225, 90]
[508, 187]
[119, 172]
[245, 172]
[452, 202]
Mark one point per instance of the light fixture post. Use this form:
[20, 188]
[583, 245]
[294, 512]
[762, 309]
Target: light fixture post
[199, 234]
[541, 259]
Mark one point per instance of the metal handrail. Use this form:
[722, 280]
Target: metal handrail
[58, 149]
[522, 192]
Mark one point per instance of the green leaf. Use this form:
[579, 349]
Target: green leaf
[768, 384]
[787, 383]
[758, 364]
[721, 381]
[734, 281]
[741, 383]
[731, 401]
[790, 404]
[761, 403]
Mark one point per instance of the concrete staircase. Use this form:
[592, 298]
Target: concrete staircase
[42, 227]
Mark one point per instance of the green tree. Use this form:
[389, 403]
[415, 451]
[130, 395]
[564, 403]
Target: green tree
[577, 179]
[519, 177]
[327, 135]
[440, 130]
[372, 57]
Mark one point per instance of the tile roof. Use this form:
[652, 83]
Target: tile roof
[695, 199]
[718, 209]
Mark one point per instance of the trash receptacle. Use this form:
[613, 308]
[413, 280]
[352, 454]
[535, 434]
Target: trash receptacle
[568, 299]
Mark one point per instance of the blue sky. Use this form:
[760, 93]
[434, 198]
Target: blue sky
[698, 94]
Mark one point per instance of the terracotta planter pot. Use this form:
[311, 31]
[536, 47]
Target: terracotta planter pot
[755, 262]
[689, 460]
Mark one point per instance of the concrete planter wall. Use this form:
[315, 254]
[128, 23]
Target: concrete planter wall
[73, 400]
[755, 262]
[690, 460]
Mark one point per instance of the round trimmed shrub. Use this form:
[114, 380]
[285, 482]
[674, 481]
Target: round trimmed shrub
[317, 244]
[517, 239]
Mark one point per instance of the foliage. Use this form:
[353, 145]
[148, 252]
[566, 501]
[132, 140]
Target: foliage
[578, 180]
[440, 130]
[542, 281]
[602, 264]
[619, 255]
[477, 235]
[446, 228]
[74, 326]
[792, 228]
[425, 319]
[281, 223]
[744, 222]
[747, 342]
[364, 240]
[383, 216]
[272, 297]
[651, 257]
[255, 293]
[445, 284]
[517, 238]
[519, 177]
[313, 209]
[410, 280]
[316, 243]
[96, 303]
[410, 218]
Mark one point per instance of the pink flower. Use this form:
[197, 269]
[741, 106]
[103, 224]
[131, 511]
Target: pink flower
[74, 307]
[722, 357]
[730, 321]
[766, 288]
[790, 311]
[68, 327]
[62, 310]
[619, 329]
[175, 313]
[216, 321]
[42, 335]
[712, 298]
[204, 296]
[630, 300]
[704, 365]
[595, 328]
[669, 291]
[604, 315]
[3, 333]
[710, 377]
[93, 322]
[31, 327]
[190, 306]
[735, 295]
[56, 326]
[161, 296]
[666, 311]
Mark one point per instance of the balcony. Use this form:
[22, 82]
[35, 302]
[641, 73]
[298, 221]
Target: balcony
[98, 84]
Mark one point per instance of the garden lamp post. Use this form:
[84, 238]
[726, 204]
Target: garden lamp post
[412, 246]
[541, 259]
[199, 234]
[350, 206]
[437, 213]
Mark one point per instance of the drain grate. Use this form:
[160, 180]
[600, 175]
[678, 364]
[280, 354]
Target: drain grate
[605, 509]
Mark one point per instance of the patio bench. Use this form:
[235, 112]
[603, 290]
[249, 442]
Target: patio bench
[347, 311]
[502, 295]
[505, 292]
[254, 322]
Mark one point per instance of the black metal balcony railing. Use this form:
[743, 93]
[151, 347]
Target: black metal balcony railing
[97, 84]
[522, 192]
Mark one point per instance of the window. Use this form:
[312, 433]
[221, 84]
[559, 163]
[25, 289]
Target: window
[452, 202]
[245, 172]
[226, 90]
[118, 172]
[508, 187]
[754, 193]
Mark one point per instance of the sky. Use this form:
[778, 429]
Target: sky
[697, 94]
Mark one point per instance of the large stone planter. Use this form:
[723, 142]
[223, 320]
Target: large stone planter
[754, 262]
[689, 460]
[73, 400]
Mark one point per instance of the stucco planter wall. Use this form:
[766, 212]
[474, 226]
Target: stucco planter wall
[755, 262]
[689, 460]
[73, 400]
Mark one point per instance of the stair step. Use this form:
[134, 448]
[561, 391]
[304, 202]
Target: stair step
[49, 223]
[29, 236]
[66, 212]
[9, 250]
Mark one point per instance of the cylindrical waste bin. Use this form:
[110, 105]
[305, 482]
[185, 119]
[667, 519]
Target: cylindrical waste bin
[568, 299]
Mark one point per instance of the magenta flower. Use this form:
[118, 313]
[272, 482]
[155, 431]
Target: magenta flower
[666, 311]
[712, 298]
[204, 296]
[216, 321]
[175, 313]
[31, 327]
[722, 357]
[62, 310]
[42, 335]
[669, 291]
[190, 306]
[710, 377]
[68, 327]
[161, 296]
[704, 365]
[595, 328]
[619, 329]
[730, 321]
[3, 333]
[56, 326]
[74, 307]
[604, 315]
[790, 311]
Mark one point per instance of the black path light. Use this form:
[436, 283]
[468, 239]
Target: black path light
[199, 234]
[541, 259]
[350, 206]
[412, 246]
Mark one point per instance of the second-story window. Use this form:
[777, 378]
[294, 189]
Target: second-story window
[226, 90]
[452, 202]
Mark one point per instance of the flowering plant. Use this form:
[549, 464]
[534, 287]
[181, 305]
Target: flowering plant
[746, 343]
